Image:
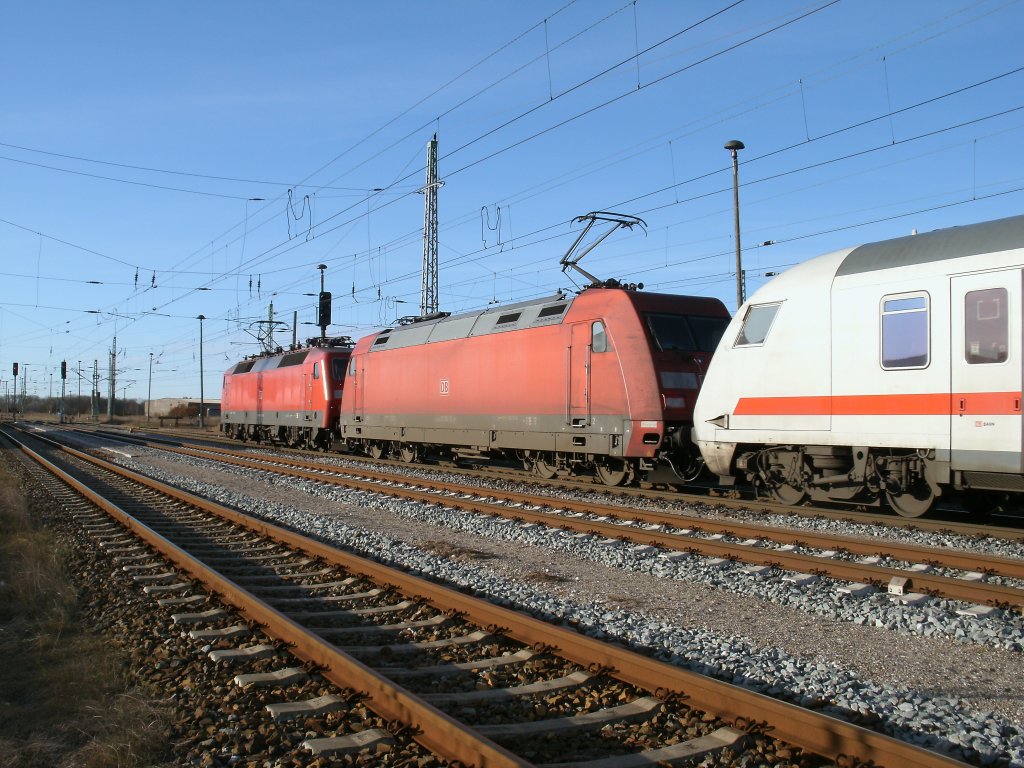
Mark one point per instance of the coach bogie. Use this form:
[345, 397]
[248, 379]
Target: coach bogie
[790, 474]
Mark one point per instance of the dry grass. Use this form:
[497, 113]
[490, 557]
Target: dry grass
[454, 551]
[64, 693]
[545, 577]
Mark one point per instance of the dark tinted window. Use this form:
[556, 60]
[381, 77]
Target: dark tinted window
[707, 331]
[295, 358]
[245, 366]
[509, 318]
[551, 311]
[337, 369]
[684, 333]
[986, 327]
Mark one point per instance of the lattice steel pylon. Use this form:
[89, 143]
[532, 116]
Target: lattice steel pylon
[428, 290]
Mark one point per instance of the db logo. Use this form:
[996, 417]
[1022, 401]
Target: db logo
[444, 386]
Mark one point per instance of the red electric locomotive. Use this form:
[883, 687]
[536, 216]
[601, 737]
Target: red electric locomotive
[605, 380]
[292, 397]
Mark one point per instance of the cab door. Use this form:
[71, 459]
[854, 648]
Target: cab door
[310, 380]
[357, 380]
[986, 372]
[578, 377]
[259, 398]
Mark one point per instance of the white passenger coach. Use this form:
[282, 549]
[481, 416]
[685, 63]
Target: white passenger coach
[890, 370]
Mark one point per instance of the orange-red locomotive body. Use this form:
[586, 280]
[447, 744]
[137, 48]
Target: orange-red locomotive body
[292, 397]
[605, 380]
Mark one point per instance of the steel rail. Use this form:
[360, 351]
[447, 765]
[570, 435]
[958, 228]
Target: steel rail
[916, 553]
[812, 731]
[957, 589]
[432, 728]
[724, 498]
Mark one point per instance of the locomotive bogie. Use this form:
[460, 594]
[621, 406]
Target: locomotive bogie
[887, 371]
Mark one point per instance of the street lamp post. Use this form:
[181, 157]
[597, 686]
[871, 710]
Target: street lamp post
[202, 405]
[149, 392]
[734, 146]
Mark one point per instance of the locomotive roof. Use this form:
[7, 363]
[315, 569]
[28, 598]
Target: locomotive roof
[282, 359]
[952, 243]
[535, 312]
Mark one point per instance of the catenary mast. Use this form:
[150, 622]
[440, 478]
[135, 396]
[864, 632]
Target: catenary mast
[428, 291]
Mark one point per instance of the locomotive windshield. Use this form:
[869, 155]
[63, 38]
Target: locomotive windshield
[337, 368]
[685, 333]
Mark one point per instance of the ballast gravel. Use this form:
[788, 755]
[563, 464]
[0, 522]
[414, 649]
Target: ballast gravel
[992, 545]
[925, 673]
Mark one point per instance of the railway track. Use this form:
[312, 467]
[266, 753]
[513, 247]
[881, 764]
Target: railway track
[910, 572]
[318, 600]
[1008, 527]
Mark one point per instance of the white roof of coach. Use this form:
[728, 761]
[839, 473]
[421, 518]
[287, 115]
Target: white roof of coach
[939, 245]
[812, 275]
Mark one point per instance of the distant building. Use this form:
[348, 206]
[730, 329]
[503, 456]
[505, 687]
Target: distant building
[164, 405]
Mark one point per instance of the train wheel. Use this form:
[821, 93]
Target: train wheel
[614, 471]
[376, 450]
[780, 472]
[543, 469]
[785, 494]
[912, 503]
[407, 453]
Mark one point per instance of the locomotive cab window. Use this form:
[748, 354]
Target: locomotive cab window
[351, 366]
[599, 341]
[905, 334]
[316, 370]
[986, 326]
[757, 323]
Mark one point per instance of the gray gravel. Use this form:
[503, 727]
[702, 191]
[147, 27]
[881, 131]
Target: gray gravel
[991, 544]
[861, 658]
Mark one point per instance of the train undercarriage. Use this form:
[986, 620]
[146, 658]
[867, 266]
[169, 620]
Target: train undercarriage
[309, 438]
[789, 474]
[676, 461]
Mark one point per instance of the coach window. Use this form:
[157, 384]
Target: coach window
[905, 331]
[599, 341]
[756, 324]
[986, 326]
[316, 370]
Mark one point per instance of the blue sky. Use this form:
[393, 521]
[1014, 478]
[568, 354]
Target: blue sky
[134, 138]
